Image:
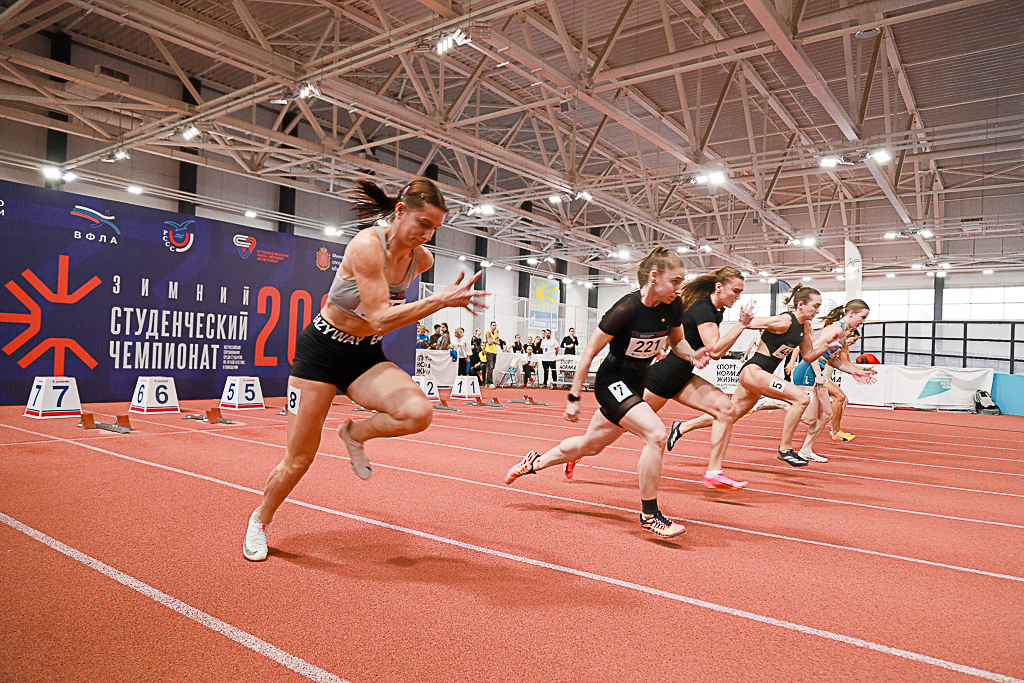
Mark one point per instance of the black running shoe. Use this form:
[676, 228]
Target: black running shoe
[673, 435]
[791, 457]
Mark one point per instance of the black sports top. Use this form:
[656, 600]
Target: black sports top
[702, 311]
[638, 331]
[779, 345]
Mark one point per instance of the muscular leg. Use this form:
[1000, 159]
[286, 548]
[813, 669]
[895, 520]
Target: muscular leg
[816, 416]
[304, 430]
[756, 380]
[644, 422]
[839, 401]
[600, 434]
[401, 406]
[700, 394]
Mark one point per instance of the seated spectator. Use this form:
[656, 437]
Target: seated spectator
[422, 340]
[529, 366]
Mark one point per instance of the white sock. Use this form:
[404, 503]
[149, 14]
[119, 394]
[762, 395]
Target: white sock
[713, 473]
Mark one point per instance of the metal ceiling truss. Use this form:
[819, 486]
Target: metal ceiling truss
[547, 101]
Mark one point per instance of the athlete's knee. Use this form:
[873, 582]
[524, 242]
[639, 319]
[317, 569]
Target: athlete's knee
[723, 410]
[416, 414]
[803, 400]
[297, 461]
[655, 437]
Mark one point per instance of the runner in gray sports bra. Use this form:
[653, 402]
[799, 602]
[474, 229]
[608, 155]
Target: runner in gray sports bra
[345, 293]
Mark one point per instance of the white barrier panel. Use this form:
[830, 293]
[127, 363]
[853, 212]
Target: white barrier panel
[876, 394]
[466, 387]
[154, 395]
[242, 393]
[724, 374]
[437, 364]
[429, 386]
[938, 387]
[53, 397]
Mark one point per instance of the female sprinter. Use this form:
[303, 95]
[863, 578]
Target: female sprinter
[782, 333]
[845, 320]
[341, 349]
[637, 327]
[704, 301]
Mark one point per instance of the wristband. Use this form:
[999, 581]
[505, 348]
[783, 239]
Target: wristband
[573, 398]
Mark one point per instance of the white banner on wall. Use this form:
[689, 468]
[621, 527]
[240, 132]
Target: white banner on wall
[938, 387]
[437, 364]
[854, 271]
[724, 374]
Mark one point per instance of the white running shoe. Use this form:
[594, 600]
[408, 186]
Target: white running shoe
[356, 452]
[765, 403]
[812, 456]
[255, 545]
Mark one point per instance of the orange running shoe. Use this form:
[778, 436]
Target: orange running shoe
[842, 436]
[525, 466]
[661, 526]
[569, 467]
[720, 481]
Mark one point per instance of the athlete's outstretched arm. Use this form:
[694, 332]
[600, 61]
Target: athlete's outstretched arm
[682, 349]
[776, 324]
[719, 345]
[598, 340]
[812, 352]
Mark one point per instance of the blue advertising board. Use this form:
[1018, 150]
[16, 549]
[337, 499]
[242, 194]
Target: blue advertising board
[106, 292]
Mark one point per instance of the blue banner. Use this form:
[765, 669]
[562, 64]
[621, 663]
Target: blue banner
[105, 292]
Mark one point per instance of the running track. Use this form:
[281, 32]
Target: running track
[902, 559]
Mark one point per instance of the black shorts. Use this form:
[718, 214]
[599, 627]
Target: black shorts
[669, 375]
[326, 354]
[766, 363]
[617, 390]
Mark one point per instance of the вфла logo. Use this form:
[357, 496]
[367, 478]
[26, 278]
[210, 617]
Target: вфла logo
[246, 245]
[179, 238]
[323, 259]
[95, 216]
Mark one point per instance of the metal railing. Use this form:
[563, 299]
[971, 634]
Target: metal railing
[959, 344]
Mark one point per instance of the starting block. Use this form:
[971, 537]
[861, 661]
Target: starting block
[121, 424]
[211, 416]
[53, 397]
[242, 393]
[528, 400]
[283, 411]
[493, 403]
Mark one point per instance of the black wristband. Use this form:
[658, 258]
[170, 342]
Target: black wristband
[573, 398]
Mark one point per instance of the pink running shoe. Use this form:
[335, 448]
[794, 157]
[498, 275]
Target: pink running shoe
[569, 467]
[720, 481]
[525, 466]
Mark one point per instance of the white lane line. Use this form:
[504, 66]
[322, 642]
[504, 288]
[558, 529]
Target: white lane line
[581, 501]
[257, 645]
[629, 585]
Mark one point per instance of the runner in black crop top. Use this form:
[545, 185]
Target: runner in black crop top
[778, 344]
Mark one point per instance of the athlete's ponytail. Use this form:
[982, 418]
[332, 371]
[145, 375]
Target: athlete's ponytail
[800, 295]
[703, 286]
[660, 259]
[852, 306]
[370, 201]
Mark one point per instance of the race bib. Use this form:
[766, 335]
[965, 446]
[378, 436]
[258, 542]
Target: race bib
[640, 347]
[776, 384]
[783, 350]
[620, 391]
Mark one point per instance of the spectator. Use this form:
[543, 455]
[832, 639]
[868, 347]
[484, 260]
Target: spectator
[479, 366]
[422, 340]
[477, 343]
[462, 351]
[549, 351]
[536, 345]
[444, 342]
[517, 345]
[434, 337]
[570, 343]
[491, 349]
[529, 366]
[529, 342]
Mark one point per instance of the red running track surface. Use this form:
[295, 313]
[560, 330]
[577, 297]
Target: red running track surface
[901, 559]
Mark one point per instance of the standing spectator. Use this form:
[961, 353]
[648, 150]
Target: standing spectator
[462, 351]
[444, 342]
[529, 342]
[422, 340]
[434, 337]
[570, 343]
[517, 345]
[491, 349]
[477, 343]
[529, 366]
[549, 351]
[536, 345]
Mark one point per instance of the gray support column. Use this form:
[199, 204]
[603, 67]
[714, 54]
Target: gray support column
[940, 282]
[56, 140]
[428, 276]
[188, 173]
[592, 294]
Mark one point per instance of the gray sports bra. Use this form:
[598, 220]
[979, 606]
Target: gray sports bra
[345, 293]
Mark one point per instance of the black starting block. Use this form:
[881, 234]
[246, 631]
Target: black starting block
[121, 424]
[528, 400]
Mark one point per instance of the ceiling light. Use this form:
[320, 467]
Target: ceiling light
[716, 177]
[917, 266]
[588, 285]
[69, 176]
[609, 279]
[764, 280]
[890, 275]
[700, 179]
[840, 277]
[809, 241]
[805, 278]
[279, 101]
[508, 267]
[461, 37]
[579, 282]
[584, 195]
[548, 259]
[829, 162]
[190, 132]
[926, 233]
[744, 273]
[532, 261]
[890, 235]
[462, 258]
[625, 279]
[868, 33]
[250, 214]
[109, 159]
[624, 254]
[944, 265]
[941, 273]
[555, 199]
[683, 250]
[881, 156]
[987, 272]
[772, 280]
[486, 264]
[706, 248]
[487, 209]
[793, 241]
[134, 189]
[308, 90]
[930, 274]
[330, 231]
[505, 63]
[122, 154]
[51, 172]
[567, 280]
[764, 273]
[839, 269]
